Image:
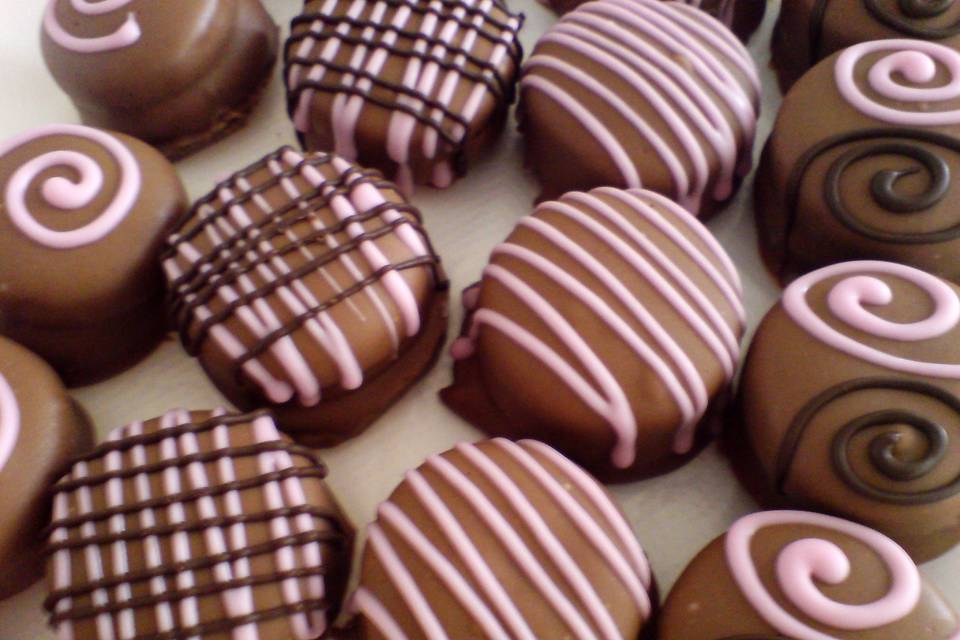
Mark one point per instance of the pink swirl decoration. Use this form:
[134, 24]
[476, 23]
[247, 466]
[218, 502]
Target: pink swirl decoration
[65, 194]
[804, 563]
[916, 61]
[9, 422]
[847, 300]
[127, 34]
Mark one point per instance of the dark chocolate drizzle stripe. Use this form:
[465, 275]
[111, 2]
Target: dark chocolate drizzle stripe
[491, 29]
[199, 564]
[80, 613]
[797, 173]
[192, 526]
[912, 10]
[882, 446]
[299, 320]
[228, 624]
[187, 496]
[154, 437]
[226, 262]
[329, 532]
[488, 74]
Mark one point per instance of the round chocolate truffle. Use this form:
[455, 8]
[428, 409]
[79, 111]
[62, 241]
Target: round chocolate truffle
[41, 430]
[631, 93]
[793, 574]
[178, 73]
[741, 16]
[308, 284]
[869, 426]
[807, 31]
[608, 326]
[196, 525]
[862, 162]
[502, 540]
[83, 217]
[415, 89]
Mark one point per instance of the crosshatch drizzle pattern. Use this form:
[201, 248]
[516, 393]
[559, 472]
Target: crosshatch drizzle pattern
[177, 528]
[270, 265]
[429, 63]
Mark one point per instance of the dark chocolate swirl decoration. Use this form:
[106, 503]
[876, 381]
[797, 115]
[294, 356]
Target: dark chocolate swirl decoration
[923, 151]
[882, 447]
[905, 20]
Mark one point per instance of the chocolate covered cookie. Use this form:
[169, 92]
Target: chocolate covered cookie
[308, 284]
[631, 93]
[196, 525]
[178, 73]
[83, 217]
[863, 162]
[808, 31]
[867, 427]
[741, 16]
[502, 540]
[412, 87]
[807, 576]
[608, 326]
[41, 430]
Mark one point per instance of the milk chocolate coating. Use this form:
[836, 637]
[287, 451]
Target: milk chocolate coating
[415, 89]
[95, 306]
[808, 31]
[859, 438]
[875, 187]
[41, 430]
[308, 284]
[197, 524]
[502, 540]
[631, 93]
[708, 602]
[190, 77]
[741, 16]
[607, 325]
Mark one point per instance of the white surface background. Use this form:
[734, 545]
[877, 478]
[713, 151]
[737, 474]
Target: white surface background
[674, 515]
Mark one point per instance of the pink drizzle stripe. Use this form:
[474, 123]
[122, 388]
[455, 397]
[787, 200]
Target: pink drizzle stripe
[804, 564]
[9, 422]
[602, 501]
[573, 575]
[513, 543]
[590, 528]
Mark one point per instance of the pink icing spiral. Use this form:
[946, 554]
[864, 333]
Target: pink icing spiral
[802, 564]
[64, 194]
[915, 61]
[847, 301]
[9, 422]
[125, 35]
